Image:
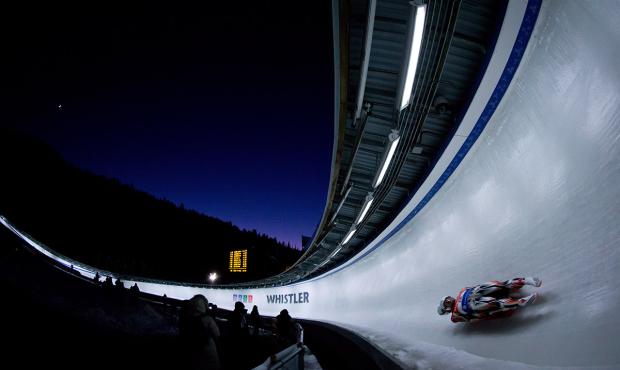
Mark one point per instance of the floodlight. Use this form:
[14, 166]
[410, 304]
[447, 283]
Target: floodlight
[335, 252]
[417, 17]
[212, 276]
[393, 139]
[349, 236]
[367, 203]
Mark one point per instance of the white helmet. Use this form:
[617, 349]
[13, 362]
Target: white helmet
[442, 309]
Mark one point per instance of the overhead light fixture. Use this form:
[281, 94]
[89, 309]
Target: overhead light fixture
[393, 139]
[335, 252]
[212, 276]
[349, 236]
[418, 14]
[367, 203]
[323, 263]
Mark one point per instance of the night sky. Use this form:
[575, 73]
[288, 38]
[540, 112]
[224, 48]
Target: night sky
[227, 109]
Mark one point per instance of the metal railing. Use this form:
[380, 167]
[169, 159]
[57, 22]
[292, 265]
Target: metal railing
[290, 358]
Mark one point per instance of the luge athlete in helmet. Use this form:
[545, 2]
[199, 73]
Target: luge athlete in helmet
[488, 300]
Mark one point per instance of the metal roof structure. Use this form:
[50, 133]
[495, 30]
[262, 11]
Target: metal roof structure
[372, 40]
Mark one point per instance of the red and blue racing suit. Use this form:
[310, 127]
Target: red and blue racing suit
[484, 301]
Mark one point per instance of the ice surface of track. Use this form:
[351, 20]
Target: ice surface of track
[538, 194]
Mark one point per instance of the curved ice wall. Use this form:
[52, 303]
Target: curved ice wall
[537, 194]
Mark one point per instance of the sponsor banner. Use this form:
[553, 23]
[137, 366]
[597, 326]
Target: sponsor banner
[245, 298]
[293, 298]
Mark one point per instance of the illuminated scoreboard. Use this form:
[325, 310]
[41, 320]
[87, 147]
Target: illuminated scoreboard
[238, 261]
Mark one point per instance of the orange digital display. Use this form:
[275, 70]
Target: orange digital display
[238, 261]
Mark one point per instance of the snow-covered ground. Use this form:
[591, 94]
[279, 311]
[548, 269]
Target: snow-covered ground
[538, 194]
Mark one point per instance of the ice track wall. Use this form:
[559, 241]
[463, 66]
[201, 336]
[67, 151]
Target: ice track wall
[537, 194]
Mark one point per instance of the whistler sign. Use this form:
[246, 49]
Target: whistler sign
[301, 297]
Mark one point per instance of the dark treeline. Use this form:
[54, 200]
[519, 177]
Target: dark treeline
[113, 226]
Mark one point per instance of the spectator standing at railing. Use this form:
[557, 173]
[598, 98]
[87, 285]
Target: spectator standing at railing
[255, 320]
[134, 290]
[108, 284]
[238, 347]
[286, 329]
[212, 310]
[96, 278]
[238, 324]
[199, 334]
[118, 284]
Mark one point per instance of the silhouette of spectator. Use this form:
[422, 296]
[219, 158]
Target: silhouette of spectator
[74, 271]
[285, 328]
[237, 341]
[212, 310]
[134, 290]
[255, 320]
[237, 324]
[108, 283]
[96, 277]
[119, 284]
[199, 334]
